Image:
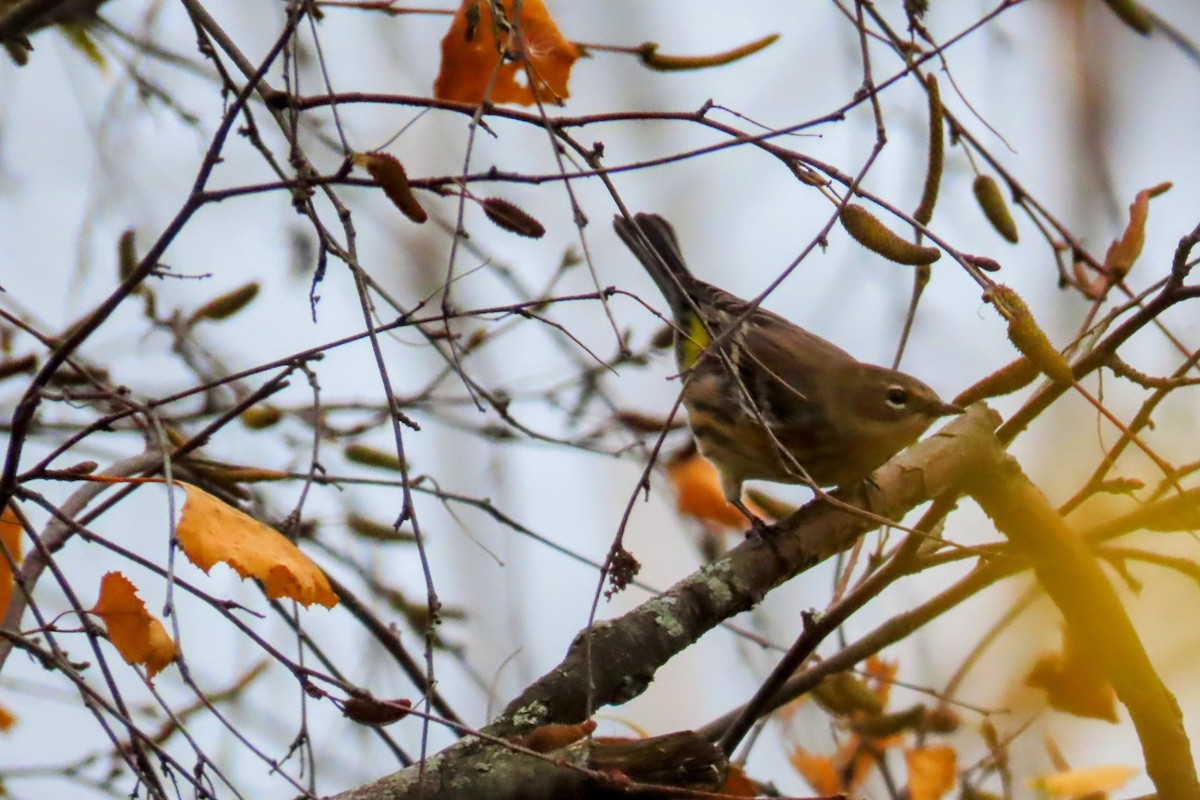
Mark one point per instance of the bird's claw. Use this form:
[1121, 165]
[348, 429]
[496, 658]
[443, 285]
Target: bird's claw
[760, 530]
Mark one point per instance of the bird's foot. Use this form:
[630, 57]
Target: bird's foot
[760, 530]
[864, 489]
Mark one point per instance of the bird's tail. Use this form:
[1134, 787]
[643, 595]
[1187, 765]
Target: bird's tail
[652, 239]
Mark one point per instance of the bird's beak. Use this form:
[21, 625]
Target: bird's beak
[946, 409]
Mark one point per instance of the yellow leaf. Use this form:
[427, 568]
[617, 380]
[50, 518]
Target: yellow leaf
[843, 694]
[138, 637]
[1073, 682]
[211, 531]
[10, 536]
[1074, 782]
[472, 69]
[932, 771]
[260, 417]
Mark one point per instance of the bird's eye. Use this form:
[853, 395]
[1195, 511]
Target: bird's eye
[897, 396]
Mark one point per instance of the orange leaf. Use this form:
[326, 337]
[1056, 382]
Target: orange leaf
[7, 720]
[210, 531]
[818, 771]
[513, 218]
[883, 675]
[1124, 251]
[858, 754]
[785, 713]
[845, 771]
[738, 784]
[376, 713]
[1076, 782]
[554, 736]
[10, 536]
[698, 489]
[471, 69]
[138, 637]
[932, 771]
[389, 173]
[856, 760]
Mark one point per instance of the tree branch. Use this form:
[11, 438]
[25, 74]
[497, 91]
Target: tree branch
[1072, 578]
[627, 651]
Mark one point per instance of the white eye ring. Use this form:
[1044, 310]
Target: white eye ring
[897, 396]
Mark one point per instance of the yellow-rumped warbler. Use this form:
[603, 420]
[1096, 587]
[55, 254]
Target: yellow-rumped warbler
[770, 400]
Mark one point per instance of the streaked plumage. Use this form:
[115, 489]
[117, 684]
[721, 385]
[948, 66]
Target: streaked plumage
[770, 397]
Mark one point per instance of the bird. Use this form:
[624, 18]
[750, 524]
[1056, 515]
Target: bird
[768, 400]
